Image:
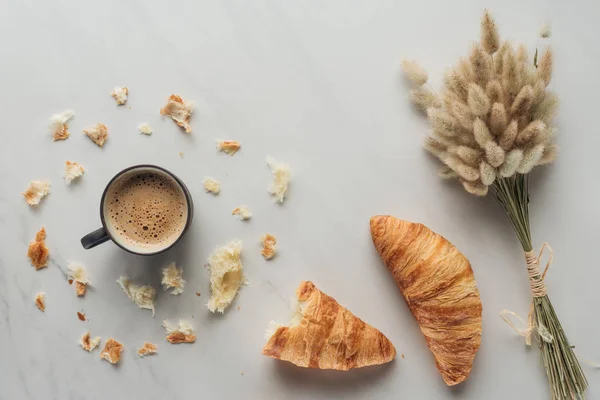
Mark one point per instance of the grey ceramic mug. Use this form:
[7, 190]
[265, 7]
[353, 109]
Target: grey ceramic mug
[106, 233]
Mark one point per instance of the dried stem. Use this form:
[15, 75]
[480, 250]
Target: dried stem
[566, 378]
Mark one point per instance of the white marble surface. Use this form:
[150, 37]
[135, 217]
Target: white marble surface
[314, 84]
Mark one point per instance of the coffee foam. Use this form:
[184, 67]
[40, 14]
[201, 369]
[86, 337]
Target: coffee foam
[146, 210]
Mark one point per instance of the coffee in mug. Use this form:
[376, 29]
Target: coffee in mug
[144, 209]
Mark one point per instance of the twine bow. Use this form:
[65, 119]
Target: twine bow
[538, 289]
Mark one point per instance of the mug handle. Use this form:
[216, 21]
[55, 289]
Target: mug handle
[94, 238]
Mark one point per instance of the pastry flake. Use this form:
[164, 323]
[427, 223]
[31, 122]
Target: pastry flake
[120, 94]
[77, 273]
[212, 185]
[98, 134]
[229, 147]
[36, 191]
[40, 301]
[181, 333]
[172, 278]
[147, 349]
[81, 316]
[242, 213]
[281, 179]
[325, 335]
[269, 243]
[180, 111]
[38, 252]
[143, 296]
[89, 344]
[439, 287]
[59, 128]
[73, 170]
[112, 351]
[226, 275]
[145, 128]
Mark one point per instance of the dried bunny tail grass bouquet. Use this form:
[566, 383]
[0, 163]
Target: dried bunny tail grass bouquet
[491, 125]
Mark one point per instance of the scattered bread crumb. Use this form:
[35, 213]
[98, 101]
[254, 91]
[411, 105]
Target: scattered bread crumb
[70, 281]
[181, 154]
[182, 333]
[239, 308]
[112, 351]
[81, 316]
[242, 213]
[40, 301]
[172, 277]
[212, 185]
[228, 146]
[198, 294]
[145, 128]
[78, 274]
[120, 94]
[35, 191]
[281, 179]
[88, 343]
[269, 243]
[38, 252]
[180, 111]
[59, 125]
[143, 296]
[226, 276]
[147, 349]
[242, 373]
[402, 355]
[73, 170]
[98, 133]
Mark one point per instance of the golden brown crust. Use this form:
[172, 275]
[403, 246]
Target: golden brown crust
[89, 344]
[180, 337]
[40, 301]
[80, 288]
[38, 252]
[61, 132]
[98, 134]
[147, 349]
[112, 351]
[179, 111]
[229, 147]
[81, 316]
[269, 246]
[328, 336]
[439, 287]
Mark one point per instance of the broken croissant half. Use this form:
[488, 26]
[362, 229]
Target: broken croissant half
[438, 285]
[325, 335]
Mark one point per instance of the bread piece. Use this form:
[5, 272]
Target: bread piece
[181, 333]
[120, 94]
[77, 273]
[180, 111]
[325, 335]
[143, 296]
[112, 351]
[40, 301]
[243, 213]
[172, 278]
[228, 146]
[58, 127]
[38, 252]
[98, 133]
[147, 349]
[145, 128]
[89, 344]
[438, 284]
[226, 275]
[81, 316]
[73, 170]
[35, 191]
[212, 185]
[281, 179]
[269, 246]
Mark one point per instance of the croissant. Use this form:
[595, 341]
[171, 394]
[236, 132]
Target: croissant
[325, 335]
[437, 282]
